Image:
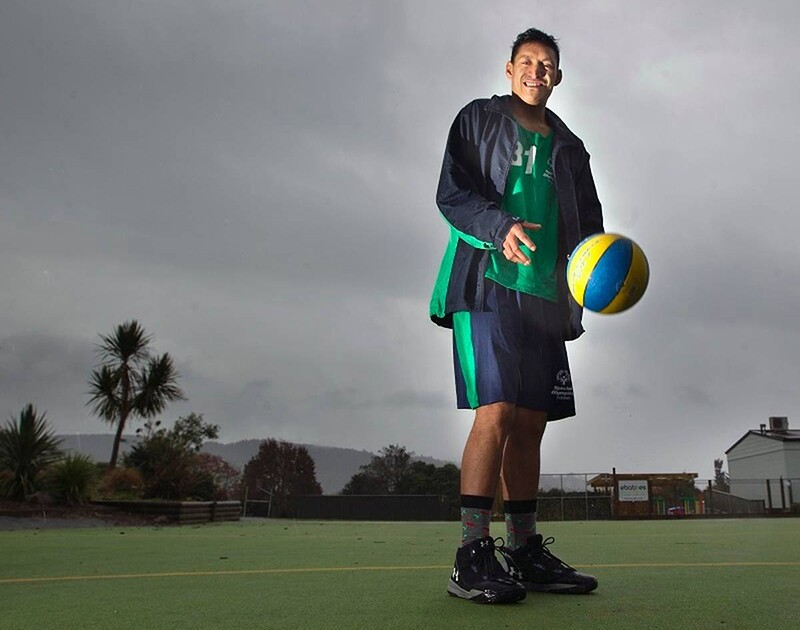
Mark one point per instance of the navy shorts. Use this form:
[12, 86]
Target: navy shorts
[512, 352]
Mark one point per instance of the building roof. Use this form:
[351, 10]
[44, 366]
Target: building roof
[606, 480]
[782, 436]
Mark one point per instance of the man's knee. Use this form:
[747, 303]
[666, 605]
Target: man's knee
[495, 417]
[530, 423]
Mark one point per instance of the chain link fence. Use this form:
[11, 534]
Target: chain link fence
[574, 496]
[570, 497]
[584, 497]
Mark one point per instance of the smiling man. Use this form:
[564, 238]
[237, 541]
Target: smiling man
[518, 193]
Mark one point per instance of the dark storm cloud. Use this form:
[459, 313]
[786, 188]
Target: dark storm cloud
[694, 395]
[255, 183]
[351, 399]
[47, 371]
[195, 144]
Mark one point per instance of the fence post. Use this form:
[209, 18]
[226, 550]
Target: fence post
[614, 497]
[769, 496]
[783, 496]
[710, 507]
[586, 493]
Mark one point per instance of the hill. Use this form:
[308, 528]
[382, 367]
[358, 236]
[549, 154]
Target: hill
[334, 465]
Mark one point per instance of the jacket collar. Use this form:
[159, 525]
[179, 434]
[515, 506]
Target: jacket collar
[502, 105]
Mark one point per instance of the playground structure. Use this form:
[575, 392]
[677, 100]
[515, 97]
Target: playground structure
[637, 495]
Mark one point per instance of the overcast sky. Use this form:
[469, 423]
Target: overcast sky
[254, 182]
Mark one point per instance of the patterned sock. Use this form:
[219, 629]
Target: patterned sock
[520, 522]
[476, 516]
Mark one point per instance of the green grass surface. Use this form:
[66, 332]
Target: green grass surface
[295, 574]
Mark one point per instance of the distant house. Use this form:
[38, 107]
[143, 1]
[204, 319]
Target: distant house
[761, 458]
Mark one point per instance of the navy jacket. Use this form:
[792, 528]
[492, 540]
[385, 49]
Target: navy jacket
[479, 148]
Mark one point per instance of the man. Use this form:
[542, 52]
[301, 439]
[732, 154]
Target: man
[518, 193]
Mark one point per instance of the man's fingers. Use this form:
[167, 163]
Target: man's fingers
[528, 242]
[515, 255]
[519, 256]
[519, 233]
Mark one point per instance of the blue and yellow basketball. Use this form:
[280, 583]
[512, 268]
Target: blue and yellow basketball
[607, 273]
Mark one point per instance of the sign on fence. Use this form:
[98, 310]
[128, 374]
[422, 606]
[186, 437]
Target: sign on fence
[633, 490]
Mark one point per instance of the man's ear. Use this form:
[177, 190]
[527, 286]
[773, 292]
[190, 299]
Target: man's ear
[509, 70]
[559, 76]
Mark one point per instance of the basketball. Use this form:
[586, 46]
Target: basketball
[607, 273]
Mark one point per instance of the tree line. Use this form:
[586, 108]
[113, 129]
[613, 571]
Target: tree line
[132, 382]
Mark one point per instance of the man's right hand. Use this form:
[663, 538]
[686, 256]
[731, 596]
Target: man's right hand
[515, 236]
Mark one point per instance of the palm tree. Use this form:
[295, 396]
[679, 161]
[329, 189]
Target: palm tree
[130, 381]
[27, 447]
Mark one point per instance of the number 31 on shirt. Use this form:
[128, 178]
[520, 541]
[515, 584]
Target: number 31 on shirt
[530, 154]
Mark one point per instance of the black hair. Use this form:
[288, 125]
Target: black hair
[535, 36]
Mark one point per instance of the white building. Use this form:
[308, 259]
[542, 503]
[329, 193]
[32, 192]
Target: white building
[760, 459]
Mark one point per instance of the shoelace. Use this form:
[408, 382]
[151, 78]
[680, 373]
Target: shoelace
[491, 566]
[552, 560]
[512, 571]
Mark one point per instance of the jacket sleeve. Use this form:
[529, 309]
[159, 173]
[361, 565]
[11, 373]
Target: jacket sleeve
[461, 195]
[590, 220]
[590, 210]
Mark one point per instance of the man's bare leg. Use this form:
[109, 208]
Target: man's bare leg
[477, 574]
[480, 468]
[520, 475]
[540, 570]
[522, 455]
[483, 453]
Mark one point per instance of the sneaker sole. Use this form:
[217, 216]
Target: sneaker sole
[561, 589]
[483, 597]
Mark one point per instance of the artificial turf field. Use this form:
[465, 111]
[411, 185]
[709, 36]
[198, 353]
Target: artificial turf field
[309, 574]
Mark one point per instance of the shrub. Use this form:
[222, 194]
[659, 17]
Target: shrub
[165, 468]
[121, 483]
[6, 477]
[226, 479]
[27, 447]
[73, 479]
[167, 459]
[203, 487]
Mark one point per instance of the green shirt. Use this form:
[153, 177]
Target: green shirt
[531, 196]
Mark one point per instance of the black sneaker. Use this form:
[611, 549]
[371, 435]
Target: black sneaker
[542, 571]
[479, 577]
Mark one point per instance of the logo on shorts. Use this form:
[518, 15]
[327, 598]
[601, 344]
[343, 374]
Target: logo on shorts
[562, 391]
